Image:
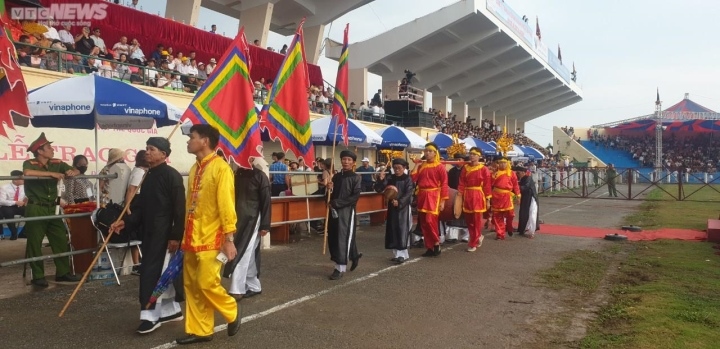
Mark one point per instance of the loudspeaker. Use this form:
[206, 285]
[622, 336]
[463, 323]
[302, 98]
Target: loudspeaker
[400, 107]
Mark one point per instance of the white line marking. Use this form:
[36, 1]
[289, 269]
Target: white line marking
[575, 204]
[297, 301]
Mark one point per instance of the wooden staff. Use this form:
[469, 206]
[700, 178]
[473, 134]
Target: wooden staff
[329, 191]
[107, 240]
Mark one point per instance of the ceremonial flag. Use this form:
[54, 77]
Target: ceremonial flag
[537, 28]
[226, 102]
[339, 109]
[657, 101]
[286, 116]
[13, 90]
[559, 54]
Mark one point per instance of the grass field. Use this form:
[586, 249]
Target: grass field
[665, 295]
[662, 294]
[660, 210]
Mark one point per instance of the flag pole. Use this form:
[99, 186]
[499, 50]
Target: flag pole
[107, 239]
[327, 203]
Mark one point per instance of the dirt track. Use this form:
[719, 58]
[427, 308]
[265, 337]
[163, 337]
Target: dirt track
[487, 299]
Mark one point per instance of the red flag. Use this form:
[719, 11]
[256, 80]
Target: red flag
[339, 109]
[226, 102]
[13, 90]
[286, 116]
[537, 28]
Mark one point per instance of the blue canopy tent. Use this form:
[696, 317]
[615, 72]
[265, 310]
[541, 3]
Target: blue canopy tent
[487, 149]
[358, 134]
[394, 137]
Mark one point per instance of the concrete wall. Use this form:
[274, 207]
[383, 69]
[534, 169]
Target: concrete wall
[566, 145]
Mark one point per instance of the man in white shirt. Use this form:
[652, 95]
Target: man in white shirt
[99, 42]
[12, 202]
[211, 66]
[192, 69]
[66, 37]
[51, 32]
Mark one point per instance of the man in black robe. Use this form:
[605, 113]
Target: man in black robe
[399, 215]
[159, 211]
[252, 205]
[528, 211]
[345, 188]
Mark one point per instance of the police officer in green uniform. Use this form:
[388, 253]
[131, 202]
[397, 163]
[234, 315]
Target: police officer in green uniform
[42, 199]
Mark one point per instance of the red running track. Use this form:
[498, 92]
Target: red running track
[647, 235]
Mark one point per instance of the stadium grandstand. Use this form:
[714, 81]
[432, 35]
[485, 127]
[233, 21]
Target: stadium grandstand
[514, 79]
[682, 140]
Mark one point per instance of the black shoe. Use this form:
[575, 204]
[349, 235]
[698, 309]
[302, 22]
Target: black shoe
[400, 260]
[336, 275]
[251, 293]
[437, 251]
[175, 317]
[234, 327]
[148, 326]
[355, 262]
[193, 339]
[68, 278]
[510, 232]
[395, 259]
[39, 282]
[429, 253]
[135, 270]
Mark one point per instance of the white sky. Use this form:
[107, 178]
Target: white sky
[622, 50]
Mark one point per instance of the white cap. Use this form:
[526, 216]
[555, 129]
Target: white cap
[365, 160]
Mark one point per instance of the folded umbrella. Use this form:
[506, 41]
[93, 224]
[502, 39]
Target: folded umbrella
[173, 270]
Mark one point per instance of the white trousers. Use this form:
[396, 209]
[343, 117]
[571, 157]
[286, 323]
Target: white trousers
[532, 218]
[403, 254]
[244, 277]
[166, 304]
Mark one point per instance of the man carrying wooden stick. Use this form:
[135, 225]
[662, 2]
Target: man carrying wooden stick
[346, 188]
[159, 211]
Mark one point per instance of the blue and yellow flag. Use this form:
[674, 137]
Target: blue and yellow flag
[226, 102]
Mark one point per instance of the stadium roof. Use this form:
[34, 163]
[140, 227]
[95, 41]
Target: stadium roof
[287, 14]
[475, 51]
[684, 115]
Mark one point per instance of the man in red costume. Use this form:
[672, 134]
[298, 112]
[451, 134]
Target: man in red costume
[432, 183]
[505, 190]
[476, 189]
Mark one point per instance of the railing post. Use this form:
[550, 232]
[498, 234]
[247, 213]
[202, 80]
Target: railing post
[631, 174]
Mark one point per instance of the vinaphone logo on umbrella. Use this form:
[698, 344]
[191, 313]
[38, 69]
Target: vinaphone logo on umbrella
[129, 110]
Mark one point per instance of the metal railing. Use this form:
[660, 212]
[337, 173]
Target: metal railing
[43, 218]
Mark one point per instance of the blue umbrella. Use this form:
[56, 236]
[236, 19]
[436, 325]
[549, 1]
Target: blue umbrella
[173, 270]
[486, 148]
[358, 134]
[397, 137]
[532, 152]
[86, 101]
[442, 140]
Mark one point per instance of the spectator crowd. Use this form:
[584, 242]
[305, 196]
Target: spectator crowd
[696, 153]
